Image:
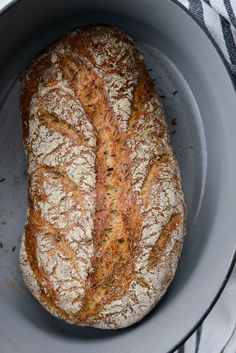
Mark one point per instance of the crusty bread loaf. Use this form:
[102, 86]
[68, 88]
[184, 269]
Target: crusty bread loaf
[105, 222]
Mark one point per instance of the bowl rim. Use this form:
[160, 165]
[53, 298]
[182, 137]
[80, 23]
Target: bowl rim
[231, 266]
[7, 6]
[176, 3]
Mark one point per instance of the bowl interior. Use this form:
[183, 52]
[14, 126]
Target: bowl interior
[201, 122]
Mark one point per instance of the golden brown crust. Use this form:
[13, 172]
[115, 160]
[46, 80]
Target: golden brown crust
[106, 212]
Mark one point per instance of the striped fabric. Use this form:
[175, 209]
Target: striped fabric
[219, 17]
[217, 334]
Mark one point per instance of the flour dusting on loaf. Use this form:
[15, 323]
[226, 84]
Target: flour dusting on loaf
[106, 216]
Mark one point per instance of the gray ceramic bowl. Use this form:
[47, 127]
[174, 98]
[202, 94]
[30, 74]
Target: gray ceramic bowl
[198, 93]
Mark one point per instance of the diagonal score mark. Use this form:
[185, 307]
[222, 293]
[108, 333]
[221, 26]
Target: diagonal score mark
[57, 237]
[117, 222]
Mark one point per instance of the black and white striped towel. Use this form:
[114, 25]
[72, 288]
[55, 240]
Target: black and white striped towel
[217, 334]
[219, 17]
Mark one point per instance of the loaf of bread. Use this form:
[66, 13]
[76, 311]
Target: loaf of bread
[106, 216]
